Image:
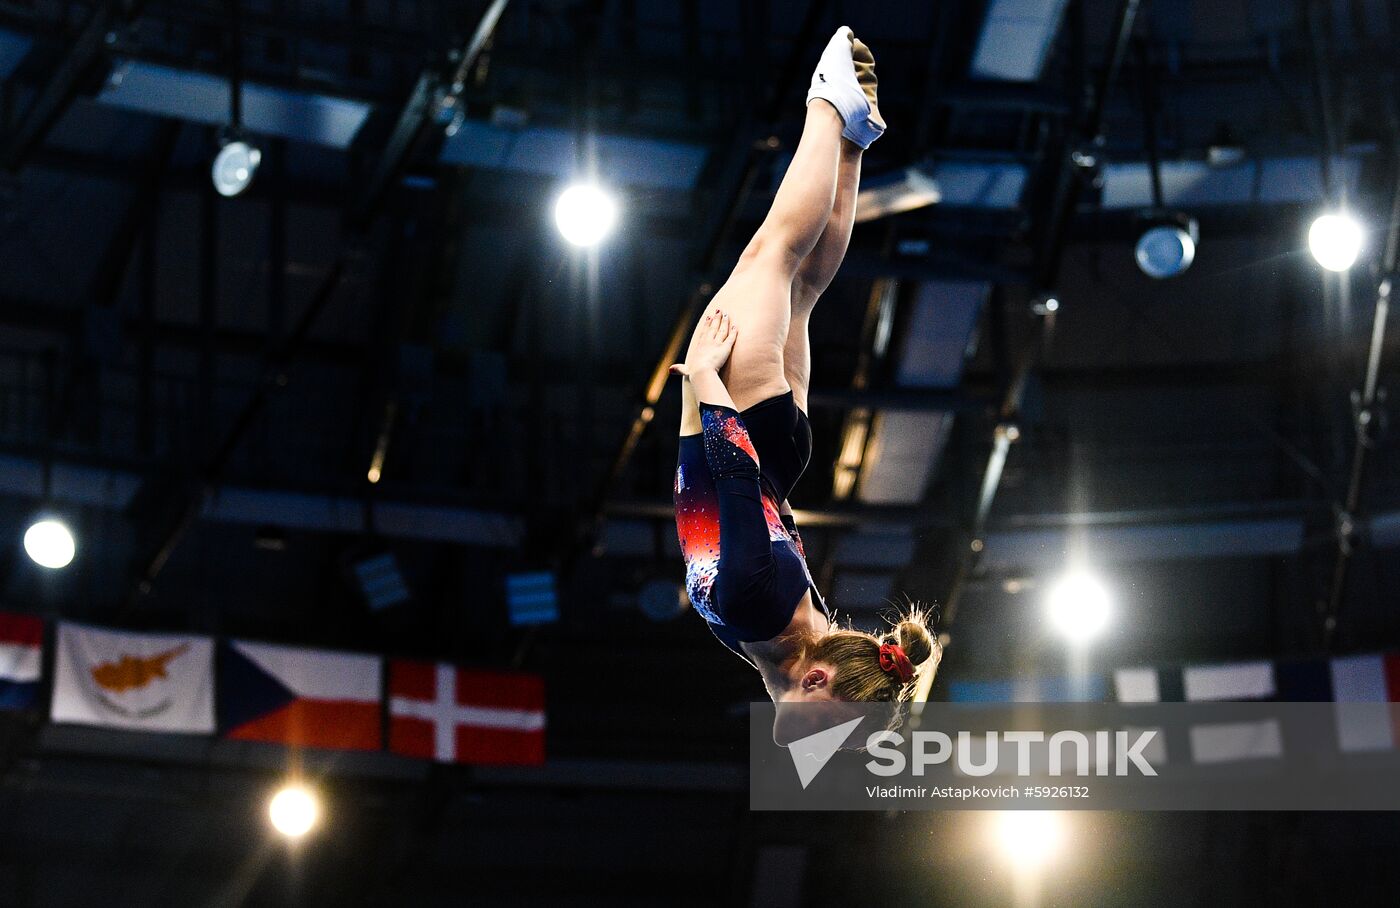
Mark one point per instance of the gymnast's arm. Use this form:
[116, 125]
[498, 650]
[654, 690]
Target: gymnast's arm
[747, 575]
[747, 580]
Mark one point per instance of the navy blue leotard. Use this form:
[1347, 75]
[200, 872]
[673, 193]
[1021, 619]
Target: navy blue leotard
[745, 569]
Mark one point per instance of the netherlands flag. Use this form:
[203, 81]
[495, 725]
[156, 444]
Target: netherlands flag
[21, 645]
[302, 697]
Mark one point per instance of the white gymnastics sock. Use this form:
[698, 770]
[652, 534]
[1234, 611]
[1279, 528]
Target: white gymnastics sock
[835, 81]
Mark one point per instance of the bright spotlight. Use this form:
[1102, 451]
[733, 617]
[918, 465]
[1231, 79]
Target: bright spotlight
[1335, 241]
[294, 811]
[50, 543]
[1029, 838]
[1166, 243]
[234, 167]
[1078, 607]
[585, 214]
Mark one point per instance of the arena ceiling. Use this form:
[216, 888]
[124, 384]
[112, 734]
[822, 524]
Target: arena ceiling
[1196, 434]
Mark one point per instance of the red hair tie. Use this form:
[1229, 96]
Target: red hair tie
[892, 659]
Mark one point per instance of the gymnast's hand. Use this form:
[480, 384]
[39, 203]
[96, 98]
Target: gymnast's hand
[710, 346]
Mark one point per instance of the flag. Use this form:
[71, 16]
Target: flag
[1364, 687]
[1208, 742]
[304, 697]
[1232, 681]
[531, 598]
[1367, 679]
[150, 682]
[21, 648]
[1221, 742]
[1149, 685]
[454, 715]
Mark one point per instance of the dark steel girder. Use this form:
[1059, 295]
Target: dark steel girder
[744, 164]
[63, 85]
[412, 126]
[1069, 184]
[1366, 420]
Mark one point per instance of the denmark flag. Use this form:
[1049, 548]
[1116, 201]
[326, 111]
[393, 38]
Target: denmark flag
[454, 715]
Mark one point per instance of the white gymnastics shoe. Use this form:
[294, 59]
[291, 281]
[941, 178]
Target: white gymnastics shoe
[835, 82]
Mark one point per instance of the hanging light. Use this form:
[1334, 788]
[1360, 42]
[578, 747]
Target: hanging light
[1078, 606]
[1029, 838]
[1166, 245]
[234, 167]
[1335, 240]
[294, 811]
[49, 542]
[237, 161]
[585, 214]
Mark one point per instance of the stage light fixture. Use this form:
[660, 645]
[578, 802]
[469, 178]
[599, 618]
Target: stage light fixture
[1077, 606]
[234, 167]
[585, 214]
[1029, 838]
[50, 543]
[1335, 240]
[294, 811]
[1166, 244]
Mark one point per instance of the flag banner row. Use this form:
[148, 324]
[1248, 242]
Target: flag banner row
[251, 691]
[1365, 678]
[1366, 689]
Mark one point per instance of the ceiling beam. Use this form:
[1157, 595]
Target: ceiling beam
[409, 133]
[64, 83]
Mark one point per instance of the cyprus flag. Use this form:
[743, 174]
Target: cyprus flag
[151, 682]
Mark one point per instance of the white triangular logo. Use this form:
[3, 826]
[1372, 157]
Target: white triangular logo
[810, 754]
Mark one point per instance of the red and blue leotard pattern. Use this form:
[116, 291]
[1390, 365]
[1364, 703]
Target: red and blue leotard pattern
[745, 569]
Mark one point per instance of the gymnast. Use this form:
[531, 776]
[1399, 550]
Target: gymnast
[745, 437]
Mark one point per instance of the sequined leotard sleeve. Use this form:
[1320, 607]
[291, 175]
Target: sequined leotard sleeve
[745, 572]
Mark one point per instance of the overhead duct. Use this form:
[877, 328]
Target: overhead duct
[942, 318]
[902, 455]
[951, 183]
[183, 94]
[1016, 38]
[1049, 548]
[905, 190]
[1196, 184]
[554, 152]
[114, 490]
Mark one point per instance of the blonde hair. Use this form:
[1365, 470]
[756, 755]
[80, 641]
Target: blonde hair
[856, 657]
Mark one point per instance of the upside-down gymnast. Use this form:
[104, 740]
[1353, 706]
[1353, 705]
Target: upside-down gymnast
[745, 437]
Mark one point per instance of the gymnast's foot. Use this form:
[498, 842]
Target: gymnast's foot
[847, 82]
[865, 75]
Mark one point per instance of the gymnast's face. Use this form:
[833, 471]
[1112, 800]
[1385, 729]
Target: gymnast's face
[808, 706]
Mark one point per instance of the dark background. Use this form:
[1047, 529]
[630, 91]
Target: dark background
[1194, 436]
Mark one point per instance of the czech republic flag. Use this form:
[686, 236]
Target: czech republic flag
[303, 697]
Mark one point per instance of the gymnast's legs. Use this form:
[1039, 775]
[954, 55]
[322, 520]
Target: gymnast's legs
[791, 260]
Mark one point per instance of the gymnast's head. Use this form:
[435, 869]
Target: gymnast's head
[839, 672]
